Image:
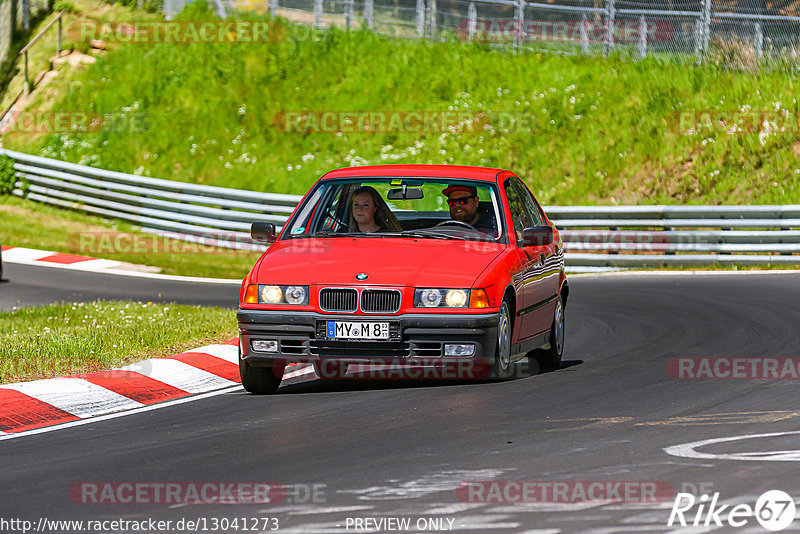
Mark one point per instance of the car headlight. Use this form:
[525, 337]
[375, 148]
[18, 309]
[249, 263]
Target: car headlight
[441, 298]
[283, 294]
[296, 294]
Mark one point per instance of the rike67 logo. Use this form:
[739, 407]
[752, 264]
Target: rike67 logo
[774, 510]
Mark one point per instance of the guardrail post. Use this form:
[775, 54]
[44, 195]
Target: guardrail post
[421, 18]
[58, 46]
[368, 13]
[432, 29]
[26, 87]
[318, 14]
[642, 38]
[472, 21]
[348, 13]
[520, 12]
[611, 15]
[26, 14]
[584, 34]
[706, 28]
[273, 7]
[759, 40]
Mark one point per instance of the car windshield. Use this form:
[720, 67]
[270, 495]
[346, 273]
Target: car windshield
[434, 208]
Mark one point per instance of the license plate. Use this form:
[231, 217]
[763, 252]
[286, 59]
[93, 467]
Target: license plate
[357, 331]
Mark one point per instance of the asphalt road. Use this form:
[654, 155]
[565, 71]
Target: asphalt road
[26, 285]
[397, 450]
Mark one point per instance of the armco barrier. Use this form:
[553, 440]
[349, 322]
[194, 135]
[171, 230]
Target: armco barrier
[594, 236]
[215, 214]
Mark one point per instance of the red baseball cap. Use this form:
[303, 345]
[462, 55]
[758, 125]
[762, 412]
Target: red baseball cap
[466, 188]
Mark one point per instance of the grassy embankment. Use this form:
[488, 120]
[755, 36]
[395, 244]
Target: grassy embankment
[579, 130]
[64, 339]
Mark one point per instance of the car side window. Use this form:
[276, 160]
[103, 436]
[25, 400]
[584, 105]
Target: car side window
[334, 216]
[534, 215]
[516, 206]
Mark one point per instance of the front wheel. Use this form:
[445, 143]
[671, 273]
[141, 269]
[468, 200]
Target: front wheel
[501, 367]
[260, 380]
[552, 356]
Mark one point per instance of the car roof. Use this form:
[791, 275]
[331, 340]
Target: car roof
[455, 172]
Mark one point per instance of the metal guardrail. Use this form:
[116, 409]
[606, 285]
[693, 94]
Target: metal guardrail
[594, 236]
[212, 215]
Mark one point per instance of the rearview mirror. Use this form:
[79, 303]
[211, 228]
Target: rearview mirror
[263, 232]
[537, 236]
[406, 193]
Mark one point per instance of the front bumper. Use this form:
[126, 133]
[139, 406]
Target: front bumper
[420, 339]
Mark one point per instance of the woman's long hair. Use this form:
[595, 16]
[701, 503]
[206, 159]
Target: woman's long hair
[383, 215]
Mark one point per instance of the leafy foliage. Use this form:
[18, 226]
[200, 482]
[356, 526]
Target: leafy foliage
[8, 176]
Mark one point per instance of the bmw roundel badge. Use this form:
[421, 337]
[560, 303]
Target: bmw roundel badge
[361, 276]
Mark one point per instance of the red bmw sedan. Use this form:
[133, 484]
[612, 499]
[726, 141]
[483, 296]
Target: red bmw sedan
[410, 265]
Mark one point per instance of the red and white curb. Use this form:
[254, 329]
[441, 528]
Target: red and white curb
[27, 406]
[61, 260]
[29, 256]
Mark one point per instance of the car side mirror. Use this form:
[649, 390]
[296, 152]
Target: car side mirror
[263, 232]
[537, 236]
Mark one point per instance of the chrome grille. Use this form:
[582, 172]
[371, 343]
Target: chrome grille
[338, 299]
[380, 300]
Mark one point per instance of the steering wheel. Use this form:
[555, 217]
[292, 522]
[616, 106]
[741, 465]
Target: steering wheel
[456, 222]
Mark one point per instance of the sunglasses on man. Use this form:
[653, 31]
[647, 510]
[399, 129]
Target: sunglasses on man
[459, 201]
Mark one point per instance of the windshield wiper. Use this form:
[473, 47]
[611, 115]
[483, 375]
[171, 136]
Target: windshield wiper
[422, 233]
[348, 234]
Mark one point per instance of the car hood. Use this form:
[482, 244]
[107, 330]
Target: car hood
[385, 260]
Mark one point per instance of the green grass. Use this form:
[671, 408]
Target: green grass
[63, 339]
[582, 130]
[24, 223]
[12, 80]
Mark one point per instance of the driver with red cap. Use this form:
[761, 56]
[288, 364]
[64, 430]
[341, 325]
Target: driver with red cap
[464, 203]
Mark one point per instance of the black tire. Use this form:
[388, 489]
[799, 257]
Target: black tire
[260, 380]
[552, 357]
[501, 366]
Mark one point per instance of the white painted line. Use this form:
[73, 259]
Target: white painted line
[687, 450]
[76, 396]
[123, 272]
[179, 375]
[685, 273]
[95, 265]
[107, 417]
[228, 353]
[22, 255]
